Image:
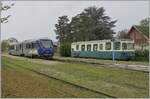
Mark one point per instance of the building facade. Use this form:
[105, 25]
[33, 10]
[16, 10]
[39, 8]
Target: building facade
[140, 39]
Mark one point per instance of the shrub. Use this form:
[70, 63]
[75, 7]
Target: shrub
[142, 55]
[65, 49]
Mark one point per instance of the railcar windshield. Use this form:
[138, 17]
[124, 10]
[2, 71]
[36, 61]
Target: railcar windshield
[47, 43]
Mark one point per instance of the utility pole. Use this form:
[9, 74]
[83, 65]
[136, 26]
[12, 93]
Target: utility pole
[113, 52]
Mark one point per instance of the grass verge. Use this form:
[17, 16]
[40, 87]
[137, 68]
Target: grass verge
[113, 81]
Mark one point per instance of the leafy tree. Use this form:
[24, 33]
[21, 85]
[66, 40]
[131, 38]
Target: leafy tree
[5, 8]
[144, 26]
[92, 24]
[62, 29]
[144, 22]
[4, 46]
[123, 34]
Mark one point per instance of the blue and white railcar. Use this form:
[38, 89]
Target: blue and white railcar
[40, 48]
[123, 49]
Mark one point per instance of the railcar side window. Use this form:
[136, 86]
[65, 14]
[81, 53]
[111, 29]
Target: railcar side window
[72, 49]
[33, 45]
[130, 46]
[117, 45]
[27, 46]
[108, 46]
[12, 47]
[95, 47]
[89, 47]
[124, 46]
[20, 46]
[82, 47]
[100, 46]
[17, 47]
[77, 47]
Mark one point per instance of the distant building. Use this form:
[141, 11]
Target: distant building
[140, 36]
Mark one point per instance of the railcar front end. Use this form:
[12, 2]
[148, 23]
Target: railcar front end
[45, 48]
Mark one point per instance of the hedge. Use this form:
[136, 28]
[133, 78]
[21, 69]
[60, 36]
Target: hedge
[65, 49]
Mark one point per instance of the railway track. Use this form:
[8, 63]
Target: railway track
[63, 81]
[121, 66]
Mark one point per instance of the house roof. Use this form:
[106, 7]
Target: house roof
[143, 30]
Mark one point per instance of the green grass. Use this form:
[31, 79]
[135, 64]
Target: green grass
[19, 82]
[103, 61]
[113, 81]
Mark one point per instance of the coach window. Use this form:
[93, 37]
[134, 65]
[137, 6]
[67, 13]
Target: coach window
[82, 47]
[100, 46]
[117, 45]
[95, 47]
[124, 46]
[130, 46]
[108, 46]
[77, 47]
[89, 47]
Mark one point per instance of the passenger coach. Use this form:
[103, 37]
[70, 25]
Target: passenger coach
[123, 49]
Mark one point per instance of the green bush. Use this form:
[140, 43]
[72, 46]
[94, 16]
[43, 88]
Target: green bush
[65, 49]
[142, 55]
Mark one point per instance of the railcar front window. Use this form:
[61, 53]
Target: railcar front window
[130, 46]
[95, 46]
[82, 47]
[117, 45]
[47, 43]
[124, 46]
[88, 47]
[108, 46]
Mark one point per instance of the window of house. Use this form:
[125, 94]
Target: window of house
[89, 47]
[124, 46]
[108, 46]
[116, 45]
[100, 46]
[82, 47]
[77, 47]
[95, 47]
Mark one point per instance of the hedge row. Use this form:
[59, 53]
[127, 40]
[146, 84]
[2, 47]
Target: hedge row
[65, 49]
[142, 55]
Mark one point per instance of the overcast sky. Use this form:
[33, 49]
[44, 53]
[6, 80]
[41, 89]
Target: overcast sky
[36, 19]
